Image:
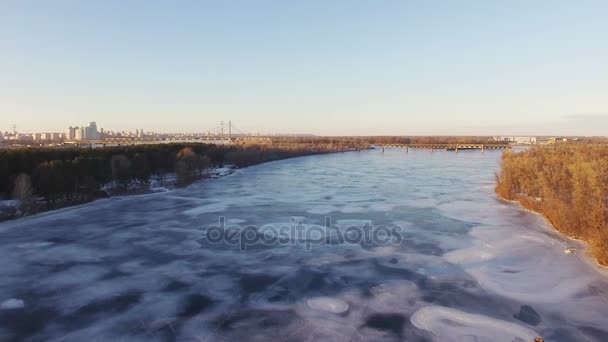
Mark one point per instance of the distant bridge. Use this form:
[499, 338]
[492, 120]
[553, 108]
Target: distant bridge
[450, 147]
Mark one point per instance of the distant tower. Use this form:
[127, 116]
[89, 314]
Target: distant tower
[14, 129]
[230, 129]
[69, 133]
[92, 131]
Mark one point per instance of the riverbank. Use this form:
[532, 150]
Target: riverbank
[41, 180]
[572, 245]
[567, 185]
[11, 209]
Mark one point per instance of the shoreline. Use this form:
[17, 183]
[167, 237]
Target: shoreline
[229, 170]
[171, 185]
[125, 194]
[584, 254]
[564, 183]
[137, 191]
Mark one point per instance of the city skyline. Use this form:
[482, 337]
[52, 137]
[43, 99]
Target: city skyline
[557, 128]
[340, 68]
[593, 125]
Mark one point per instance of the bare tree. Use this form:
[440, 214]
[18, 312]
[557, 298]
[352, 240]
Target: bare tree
[121, 170]
[22, 191]
[202, 164]
[189, 163]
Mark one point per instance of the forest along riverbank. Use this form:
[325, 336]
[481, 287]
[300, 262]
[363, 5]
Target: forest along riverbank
[568, 184]
[464, 265]
[35, 180]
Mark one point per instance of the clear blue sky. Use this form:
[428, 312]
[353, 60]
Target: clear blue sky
[313, 66]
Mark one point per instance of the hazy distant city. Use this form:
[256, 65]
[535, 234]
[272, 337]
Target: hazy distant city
[92, 133]
[223, 132]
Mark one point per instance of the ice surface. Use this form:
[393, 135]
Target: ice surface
[510, 264]
[13, 303]
[207, 208]
[351, 209]
[384, 207]
[328, 304]
[463, 264]
[322, 209]
[454, 325]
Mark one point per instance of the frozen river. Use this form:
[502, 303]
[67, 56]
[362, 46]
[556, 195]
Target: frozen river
[448, 261]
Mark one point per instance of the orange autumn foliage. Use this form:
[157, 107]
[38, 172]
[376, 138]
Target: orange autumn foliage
[568, 184]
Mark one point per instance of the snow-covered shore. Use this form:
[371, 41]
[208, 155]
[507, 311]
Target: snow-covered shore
[11, 209]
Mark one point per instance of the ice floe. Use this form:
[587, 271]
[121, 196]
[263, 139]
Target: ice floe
[12, 303]
[332, 305]
[446, 324]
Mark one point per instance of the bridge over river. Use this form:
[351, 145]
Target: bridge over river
[450, 147]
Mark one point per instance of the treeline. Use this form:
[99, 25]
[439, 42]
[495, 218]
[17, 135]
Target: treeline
[568, 183]
[64, 176]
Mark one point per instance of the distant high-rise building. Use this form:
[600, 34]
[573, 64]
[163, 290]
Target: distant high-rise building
[83, 133]
[70, 133]
[92, 131]
[80, 133]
